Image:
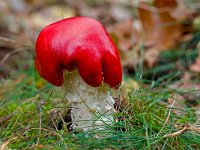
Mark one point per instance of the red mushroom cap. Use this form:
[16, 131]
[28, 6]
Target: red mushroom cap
[78, 42]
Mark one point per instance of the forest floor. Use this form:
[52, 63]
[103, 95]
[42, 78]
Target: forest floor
[159, 103]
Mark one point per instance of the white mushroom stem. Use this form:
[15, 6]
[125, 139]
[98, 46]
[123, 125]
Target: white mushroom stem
[91, 107]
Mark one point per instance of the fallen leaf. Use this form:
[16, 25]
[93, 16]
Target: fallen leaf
[161, 30]
[151, 57]
[123, 32]
[196, 66]
[165, 3]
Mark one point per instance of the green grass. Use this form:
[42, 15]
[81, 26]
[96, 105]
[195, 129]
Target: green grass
[145, 123]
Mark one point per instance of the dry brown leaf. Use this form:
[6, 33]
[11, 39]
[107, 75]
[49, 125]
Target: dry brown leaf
[176, 8]
[151, 57]
[165, 3]
[123, 31]
[196, 66]
[125, 37]
[161, 30]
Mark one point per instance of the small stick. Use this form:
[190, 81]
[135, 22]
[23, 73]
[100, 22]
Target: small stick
[183, 128]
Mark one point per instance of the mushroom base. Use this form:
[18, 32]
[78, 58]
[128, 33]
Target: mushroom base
[91, 107]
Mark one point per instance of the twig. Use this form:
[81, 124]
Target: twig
[168, 116]
[197, 121]
[194, 129]
[40, 126]
[183, 128]
[5, 144]
[7, 39]
[176, 133]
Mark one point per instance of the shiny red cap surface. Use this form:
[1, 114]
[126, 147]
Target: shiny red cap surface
[78, 43]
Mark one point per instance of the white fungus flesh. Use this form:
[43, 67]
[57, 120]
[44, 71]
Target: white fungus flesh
[91, 107]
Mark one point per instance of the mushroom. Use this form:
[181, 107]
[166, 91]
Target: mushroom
[78, 52]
